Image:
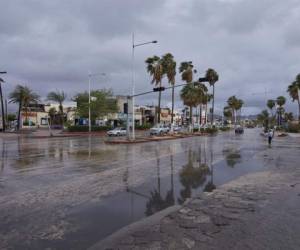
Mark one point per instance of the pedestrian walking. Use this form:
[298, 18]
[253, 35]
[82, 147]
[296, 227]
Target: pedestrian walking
[270, 136]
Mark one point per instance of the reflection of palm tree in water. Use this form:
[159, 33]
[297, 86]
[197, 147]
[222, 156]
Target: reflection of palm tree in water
[232, 156]
[192, 177]
[156, 202]
[210, 186]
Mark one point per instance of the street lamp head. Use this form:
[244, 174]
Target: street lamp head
[3, 72]
[154, 41]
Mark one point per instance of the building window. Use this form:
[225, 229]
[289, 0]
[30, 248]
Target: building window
[44, 121]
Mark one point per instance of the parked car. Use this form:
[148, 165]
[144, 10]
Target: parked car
[239, 130]
[117, 132]
[160, 130]
[177, 128]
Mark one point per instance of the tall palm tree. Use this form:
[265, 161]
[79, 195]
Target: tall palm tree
[155, 69]
[206, 99]
[187, 71]
[238, 107]
[212, 77]
[271, 105]
[169, 67]
[293, 90]
[2, 105]
[227, 112]
[59, 97]
[201, 91]
[189, 97]
[23, 96]
[235, 104]
[280, 102]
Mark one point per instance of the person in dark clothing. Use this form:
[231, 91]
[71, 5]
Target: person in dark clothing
[270, 136]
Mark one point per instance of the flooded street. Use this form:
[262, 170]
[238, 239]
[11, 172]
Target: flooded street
[68, 193]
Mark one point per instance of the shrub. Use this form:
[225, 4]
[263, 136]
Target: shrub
[224, 128]
[79, 128]
[144, 126]
[293, 128]
[211, 130]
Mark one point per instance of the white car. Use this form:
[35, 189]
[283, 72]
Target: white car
[159, 130]
[117, 132]
[177, 128]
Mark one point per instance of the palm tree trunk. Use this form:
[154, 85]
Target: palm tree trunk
[191, 117]
[2, 109]
[172, 117]
[213, 106]
[19, 115]
[298, 110]
[205, 113]
[200, 115]
[61, 114]
[158, 111]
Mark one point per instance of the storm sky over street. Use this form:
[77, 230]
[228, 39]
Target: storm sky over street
[254, 45]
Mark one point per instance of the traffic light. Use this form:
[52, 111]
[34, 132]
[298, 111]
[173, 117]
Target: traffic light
[203, 79]
[158, 89]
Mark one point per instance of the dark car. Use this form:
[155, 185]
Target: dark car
[239, 130]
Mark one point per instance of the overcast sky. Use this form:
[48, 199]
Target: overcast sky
[254, 45]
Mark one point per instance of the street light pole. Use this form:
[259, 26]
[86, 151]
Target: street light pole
[133, 81]
[90, 123]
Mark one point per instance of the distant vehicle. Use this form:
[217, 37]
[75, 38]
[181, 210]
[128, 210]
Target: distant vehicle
[117, 132]
[160, 130]
[239, 130]
[177, 128]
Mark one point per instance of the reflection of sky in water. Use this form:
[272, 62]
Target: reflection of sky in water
[108, 187]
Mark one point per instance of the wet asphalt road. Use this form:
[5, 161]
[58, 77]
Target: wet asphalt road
[68, 193]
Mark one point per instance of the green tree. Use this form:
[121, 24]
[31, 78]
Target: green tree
[52, 113]
[169, 68]
[288, 117]
[189, 97]
[201, 92]
[102, 103]
[23, 96]
[293, 90]
[227, 112]
[187, 71]
[280, 102]
[156, 71]
[212, 77]
[271, 105]
[59, 97]
[263, 118]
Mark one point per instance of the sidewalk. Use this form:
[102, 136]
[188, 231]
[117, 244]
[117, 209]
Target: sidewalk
[256, 211]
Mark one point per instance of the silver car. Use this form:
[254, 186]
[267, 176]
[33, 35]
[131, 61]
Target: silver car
[117, 132]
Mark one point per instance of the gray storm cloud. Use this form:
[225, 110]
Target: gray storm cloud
[254, 45]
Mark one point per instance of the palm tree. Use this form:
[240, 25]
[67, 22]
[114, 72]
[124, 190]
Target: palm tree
[288, 117]
[227, 112]
[206, 99]
[59, 97]
[201, 92]
[189, 97]
[293, 90]
[155, 69]
[2, 105]
[169, 67]
[238, 107]
[233, 103]
[23, 96]
[280, 102]
[212, 77]
[263, 118]
[271, 105]
[187, 71]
